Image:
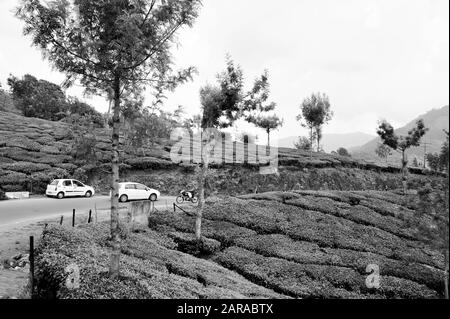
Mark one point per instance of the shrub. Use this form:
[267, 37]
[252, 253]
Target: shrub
[325, 229]
[149, 269]
[25, 167]
[49, 149]
[2, 195]
[343, 152]
[24, 143]
[13, 178]
[149, 163]
[66, 166]
[315, 281]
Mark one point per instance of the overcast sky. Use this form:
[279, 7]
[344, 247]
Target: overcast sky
[374, 58]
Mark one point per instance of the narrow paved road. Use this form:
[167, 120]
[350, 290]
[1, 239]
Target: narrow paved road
[33, 209]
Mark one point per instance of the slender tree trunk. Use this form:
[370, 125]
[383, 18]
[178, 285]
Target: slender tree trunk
[446, 274]
[446, 233]
[404, 172]
[268, 138]
[201, 202]
[318, 143]
[312, 142]
[201, 194]
[115, 233]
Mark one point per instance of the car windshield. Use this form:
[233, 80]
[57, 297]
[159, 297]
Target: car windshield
[55, 182]
[141, 187]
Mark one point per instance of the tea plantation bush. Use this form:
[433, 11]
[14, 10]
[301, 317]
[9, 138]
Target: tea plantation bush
[259, 245]
[150, 268]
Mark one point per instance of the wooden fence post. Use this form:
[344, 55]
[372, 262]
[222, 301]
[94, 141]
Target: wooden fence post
[174, 208]
[73, 218]
[61, 220]
[31, 259]
[90, 216]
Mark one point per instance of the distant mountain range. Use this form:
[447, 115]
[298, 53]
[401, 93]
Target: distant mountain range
[436, 120]
[331, 142]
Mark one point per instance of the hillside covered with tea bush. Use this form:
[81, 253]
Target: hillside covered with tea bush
[302, 244]
[35, 151]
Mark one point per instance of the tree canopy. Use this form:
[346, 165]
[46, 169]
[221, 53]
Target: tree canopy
[38, 98]
[315, 112]
[343, 152]
[439, 162]
[303, 143]
[401, 143]
[100, 41]
[383, 151]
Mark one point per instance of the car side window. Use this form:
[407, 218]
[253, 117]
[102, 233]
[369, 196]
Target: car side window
[67, 183]
[141, 187]
[78, 184]
[130, 186]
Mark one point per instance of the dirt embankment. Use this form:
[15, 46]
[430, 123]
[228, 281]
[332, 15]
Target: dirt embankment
[34, 151]
[303, 244]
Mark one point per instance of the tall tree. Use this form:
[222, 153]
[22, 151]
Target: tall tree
[315, 112]
[222, 105]
[257, 110]
[113, 47]
[383, 151]
[402, 143]
[433, 161]
[220, 109]
[38, 98]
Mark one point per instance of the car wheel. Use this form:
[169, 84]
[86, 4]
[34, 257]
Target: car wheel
[123, 198]
[153, 197]
[88, 194]
[60, 195]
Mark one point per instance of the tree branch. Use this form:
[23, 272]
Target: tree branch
[156, 47]
[73, 53]
[148, 13]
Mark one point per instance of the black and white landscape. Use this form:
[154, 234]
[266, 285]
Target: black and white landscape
[187, 149]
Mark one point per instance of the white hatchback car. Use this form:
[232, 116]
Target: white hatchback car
[61, 188]
[136, 191]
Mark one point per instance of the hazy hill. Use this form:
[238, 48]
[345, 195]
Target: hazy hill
[436, 120]
[331, 142]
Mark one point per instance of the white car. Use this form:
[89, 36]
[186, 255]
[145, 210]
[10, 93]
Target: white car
[136, 191]
[61, 188]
